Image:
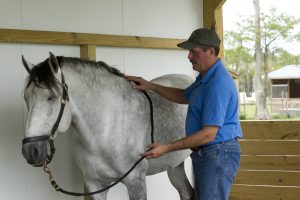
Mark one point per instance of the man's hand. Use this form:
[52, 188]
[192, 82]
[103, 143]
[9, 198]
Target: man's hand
[156, 150]
[141, 83]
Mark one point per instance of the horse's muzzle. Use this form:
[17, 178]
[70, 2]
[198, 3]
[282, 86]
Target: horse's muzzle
[35, 153]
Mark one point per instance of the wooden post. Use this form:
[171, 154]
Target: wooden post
[88, 52]
[86, 197]
[213, 14]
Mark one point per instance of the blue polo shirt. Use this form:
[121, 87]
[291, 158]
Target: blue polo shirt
[213, 101]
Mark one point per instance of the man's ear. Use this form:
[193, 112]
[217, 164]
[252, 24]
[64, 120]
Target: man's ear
[212, 51]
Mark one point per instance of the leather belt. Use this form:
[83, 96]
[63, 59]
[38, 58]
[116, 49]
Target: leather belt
[200, 147]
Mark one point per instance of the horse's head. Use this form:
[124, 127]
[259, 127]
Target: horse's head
[46, 98]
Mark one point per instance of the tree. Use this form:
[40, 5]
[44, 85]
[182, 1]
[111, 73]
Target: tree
[275, 30]
[260, 93]
[276, 27]
[239, 60]
[281, 57]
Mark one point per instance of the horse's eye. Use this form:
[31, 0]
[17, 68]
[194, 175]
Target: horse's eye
[51, 98]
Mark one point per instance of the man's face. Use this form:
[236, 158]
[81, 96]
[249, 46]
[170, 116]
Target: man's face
[200, 59]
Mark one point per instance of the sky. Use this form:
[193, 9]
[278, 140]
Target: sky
[234, 9]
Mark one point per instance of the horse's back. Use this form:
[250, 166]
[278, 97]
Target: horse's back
[174, 80]
[169, 122]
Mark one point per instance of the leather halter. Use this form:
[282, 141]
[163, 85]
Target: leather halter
[50, 137]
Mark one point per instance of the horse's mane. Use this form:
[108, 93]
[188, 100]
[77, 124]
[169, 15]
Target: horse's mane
[42, 76]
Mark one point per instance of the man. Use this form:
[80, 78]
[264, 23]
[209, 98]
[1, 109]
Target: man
[212, 122]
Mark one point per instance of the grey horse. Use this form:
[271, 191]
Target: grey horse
[109, 122]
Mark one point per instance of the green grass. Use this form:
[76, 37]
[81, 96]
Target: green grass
[247, 112]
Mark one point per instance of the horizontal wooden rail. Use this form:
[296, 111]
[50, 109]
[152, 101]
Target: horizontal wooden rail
[271, 130]
[270, 147]
[287, 163]
[72, 38]
[247, 192]
[278, 178]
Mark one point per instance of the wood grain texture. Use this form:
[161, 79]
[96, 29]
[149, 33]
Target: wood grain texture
[286, 163]
[246, 192]
[71, 38]
[278, 178]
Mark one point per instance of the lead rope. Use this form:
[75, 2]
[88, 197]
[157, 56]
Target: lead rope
[59, 189]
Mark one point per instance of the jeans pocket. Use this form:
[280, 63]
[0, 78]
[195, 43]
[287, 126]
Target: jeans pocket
[232, 164]
[208, 152]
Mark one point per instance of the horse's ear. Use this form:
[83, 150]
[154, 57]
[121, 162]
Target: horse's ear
[28, 66]
[53, 63]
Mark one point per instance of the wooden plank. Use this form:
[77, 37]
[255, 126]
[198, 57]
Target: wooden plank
[87, 197]
[270, 147]
[291, 163]
[71, 38]
[278, 178]
[247, 192]
[208, 13]
[126, 41]
[38, 37]
[272, 130]
[219, 25]
[213, 15]
[88, 52]
[219, 3]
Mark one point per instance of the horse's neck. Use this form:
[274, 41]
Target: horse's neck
[93, 94]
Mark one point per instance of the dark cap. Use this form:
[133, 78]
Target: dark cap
[201, 36]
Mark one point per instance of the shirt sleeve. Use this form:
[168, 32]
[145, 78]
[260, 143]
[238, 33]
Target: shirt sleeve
[215, 106]
[188, 91]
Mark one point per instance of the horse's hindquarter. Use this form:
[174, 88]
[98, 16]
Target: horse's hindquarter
[169, 122]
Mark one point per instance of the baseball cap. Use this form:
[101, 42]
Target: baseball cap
[201, 36]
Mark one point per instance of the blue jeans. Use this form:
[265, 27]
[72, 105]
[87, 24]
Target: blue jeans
[215, 167]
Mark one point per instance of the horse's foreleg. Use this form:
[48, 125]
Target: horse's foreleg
[137, 189]
[135, 183]
[91, 186]
[179, 180]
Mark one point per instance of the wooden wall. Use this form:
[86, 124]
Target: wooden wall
[270, 161]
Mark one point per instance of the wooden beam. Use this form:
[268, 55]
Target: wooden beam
[249, 192]
[279, 178]
[271, 130]
[287, 163]
[213, 15]
[219, 3]
[86, 197]
[270, 147]
[88, 52]
[209, 15]
[219, 29]
[268, 122]
[71, 38]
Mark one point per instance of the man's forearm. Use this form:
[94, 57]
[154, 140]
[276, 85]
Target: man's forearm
[202, 137]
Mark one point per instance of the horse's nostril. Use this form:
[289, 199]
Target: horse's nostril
[35, 152]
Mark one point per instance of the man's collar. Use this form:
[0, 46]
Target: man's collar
[210, 72]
